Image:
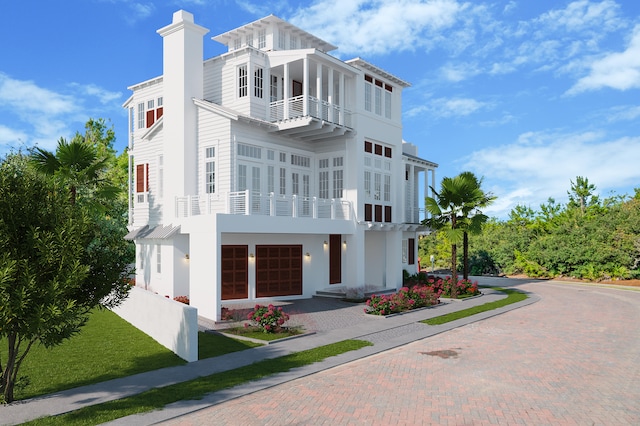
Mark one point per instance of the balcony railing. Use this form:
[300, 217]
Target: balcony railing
[254, 203]
[315, 108]
[414, 214]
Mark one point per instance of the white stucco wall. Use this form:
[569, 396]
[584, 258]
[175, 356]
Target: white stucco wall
[172, 324]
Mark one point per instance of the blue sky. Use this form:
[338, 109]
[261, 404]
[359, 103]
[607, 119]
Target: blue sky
[526, 94]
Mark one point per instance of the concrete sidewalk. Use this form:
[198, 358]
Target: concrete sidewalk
[332, 321]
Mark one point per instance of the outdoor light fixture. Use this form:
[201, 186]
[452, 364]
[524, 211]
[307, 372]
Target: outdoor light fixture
[325, 243]
[186, 256]
[251, 256]
[307, 254]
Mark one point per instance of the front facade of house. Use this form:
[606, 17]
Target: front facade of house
[272, 170]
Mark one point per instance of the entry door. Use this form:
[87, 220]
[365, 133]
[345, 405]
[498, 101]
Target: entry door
[235, 272]
[335, 259]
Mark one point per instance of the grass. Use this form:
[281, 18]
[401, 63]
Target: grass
[196, 389]
[513, 296]
[107, 348]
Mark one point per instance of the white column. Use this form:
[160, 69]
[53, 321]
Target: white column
[341, 99]
[330, 93]
[305, 86]
[286, 95]
[319, 89]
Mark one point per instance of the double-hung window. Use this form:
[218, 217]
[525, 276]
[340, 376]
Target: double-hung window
[210, 170]
[242, 81]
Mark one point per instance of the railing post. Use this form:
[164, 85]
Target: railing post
[333, 208]
[247, 202]
[272, 204]
[294, 207]
[314, 207]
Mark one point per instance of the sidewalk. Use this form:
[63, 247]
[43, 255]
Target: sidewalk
[332, 321]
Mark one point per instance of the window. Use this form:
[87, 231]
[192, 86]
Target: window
[387, 188]
[295, 183]
[283, 157]
[258, 82]
[387, 152]
[160, 109]
[283, 181]
[274, 88]
[387, 104]
[377, 177]
[242, 177]
[301, 161]
[293, 42]
[141, 115]
[270, 155]
[158, 258]
[160, 176]
[210, 171]
[378, 93]
[367, 184]
[262, 39]
[142, 182]
[249, 39]
[237, 43]
[282, 39]
[270, 180]
[249, 151]
[323, 184]
[242, 81]
[368, 146]
[367, 96]
[405, 251]
[337, 183]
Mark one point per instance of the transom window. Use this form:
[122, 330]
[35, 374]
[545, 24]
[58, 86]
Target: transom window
[249, 151]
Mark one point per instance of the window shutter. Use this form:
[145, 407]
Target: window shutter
[159, 112]
[140, 178]
[150, 117]
[412, 252]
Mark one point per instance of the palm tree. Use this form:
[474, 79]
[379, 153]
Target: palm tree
[472, 217]
[75, 163]
[455, 211]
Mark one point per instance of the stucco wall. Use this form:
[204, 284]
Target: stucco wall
[172, 324]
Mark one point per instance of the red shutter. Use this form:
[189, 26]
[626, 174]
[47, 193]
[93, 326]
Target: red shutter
[140, 178]
[146, 188]
[159, 112]
[368, 212]
[368, 146]
[378, 212]
[387, 152]
[151, 116]
[387, 213]
[378, 149]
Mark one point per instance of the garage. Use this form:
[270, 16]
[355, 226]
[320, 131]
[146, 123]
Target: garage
[234, 272]
[278, 270]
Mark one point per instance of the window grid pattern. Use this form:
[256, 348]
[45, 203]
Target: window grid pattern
[258, 82]
[242, 81]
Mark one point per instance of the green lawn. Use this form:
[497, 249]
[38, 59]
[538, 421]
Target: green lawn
[107, 348]
[513, 296]
[196, 389]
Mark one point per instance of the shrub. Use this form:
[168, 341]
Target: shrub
[182, 299]
[268, 318]
[405, 299]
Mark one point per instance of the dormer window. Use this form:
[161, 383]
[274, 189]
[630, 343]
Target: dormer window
[293, 42]
[262, 39]
[237, 43]
[282, 39]
[250, 39]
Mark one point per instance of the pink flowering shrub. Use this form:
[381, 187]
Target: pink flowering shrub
[405, 299]
[268, 318]
[444, 285]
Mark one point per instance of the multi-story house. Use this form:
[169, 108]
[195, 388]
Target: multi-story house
[272, 170]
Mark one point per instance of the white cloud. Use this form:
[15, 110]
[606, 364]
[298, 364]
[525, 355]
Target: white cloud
[619, 70]
[623, 113]
[541, 165]
[32, 114]
[369, 27]
[456, 72]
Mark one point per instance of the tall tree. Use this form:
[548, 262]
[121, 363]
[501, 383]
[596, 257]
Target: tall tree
[472, 217]
[581, 194]
[454, 211]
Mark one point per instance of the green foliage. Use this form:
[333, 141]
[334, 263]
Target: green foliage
[601, 241]
[59, 259]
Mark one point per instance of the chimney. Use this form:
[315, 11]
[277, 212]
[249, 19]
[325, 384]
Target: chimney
[182, 81]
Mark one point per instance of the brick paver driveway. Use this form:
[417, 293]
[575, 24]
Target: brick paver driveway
[571, 358]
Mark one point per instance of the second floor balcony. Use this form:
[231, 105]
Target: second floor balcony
[254, 203]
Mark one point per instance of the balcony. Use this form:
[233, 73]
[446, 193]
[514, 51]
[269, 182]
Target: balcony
[253, 203]
[320, 120]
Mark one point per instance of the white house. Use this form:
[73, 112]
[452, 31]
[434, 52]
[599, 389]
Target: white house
[272, 170]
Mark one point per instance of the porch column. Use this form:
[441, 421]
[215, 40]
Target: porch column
[286, 93]
[319, 90]
[330, 93]
[341, 100]
[305, 86]
[426, 192]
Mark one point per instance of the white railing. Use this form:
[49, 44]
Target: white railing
[315, 108]
[414, 215]
[255, 203]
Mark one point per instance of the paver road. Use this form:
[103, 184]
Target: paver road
[572, 358]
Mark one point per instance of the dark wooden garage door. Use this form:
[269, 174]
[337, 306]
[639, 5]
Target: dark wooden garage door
[278, 270]
[235, 277]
